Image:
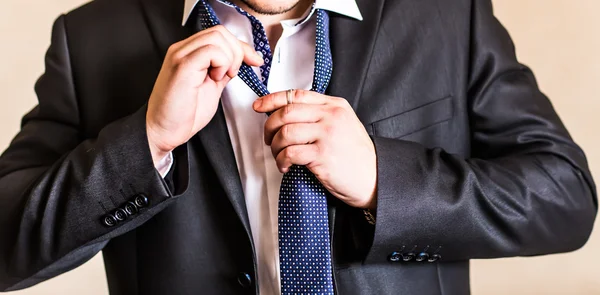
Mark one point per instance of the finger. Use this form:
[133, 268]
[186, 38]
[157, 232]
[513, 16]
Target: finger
[247, 52]
[212, 36]
[296, 155]
[237, 49]
[290, 114]
[207, 58]
[251, 57]
[296, 134]
[196, 40]
[274, 101]
[242, 51]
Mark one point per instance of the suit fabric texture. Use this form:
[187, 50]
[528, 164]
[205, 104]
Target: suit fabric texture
[473, 162]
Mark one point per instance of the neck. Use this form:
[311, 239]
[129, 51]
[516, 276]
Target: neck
[272, 22]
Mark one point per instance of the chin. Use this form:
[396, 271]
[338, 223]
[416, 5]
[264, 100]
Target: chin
[270, 7]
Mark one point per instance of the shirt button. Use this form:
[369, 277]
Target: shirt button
[244, 279]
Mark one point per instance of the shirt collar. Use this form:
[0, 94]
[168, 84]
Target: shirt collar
[344, 7]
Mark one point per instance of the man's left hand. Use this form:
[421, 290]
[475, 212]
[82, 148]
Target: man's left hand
[324, 134]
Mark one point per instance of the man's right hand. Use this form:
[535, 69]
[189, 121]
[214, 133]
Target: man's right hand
[188, 88]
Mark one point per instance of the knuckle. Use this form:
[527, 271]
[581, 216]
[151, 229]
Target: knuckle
[343, 102]
[221, 37]
[213, 51]
[267, 128]
[338, 112]
[280, 162]
[299, 95]
[290, 152]
[220, 29]
[175, 55]
[211, 47]
[180, 63]
[328, 129]
[216, 33]
[318, 149]
[322, 172]
[286, 131]
[213, 37]
[173, 48]
[287, 111]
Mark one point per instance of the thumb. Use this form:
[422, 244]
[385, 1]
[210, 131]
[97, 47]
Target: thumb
[251, 57]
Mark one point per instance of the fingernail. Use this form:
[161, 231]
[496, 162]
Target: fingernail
[257, 103]
[259, 56]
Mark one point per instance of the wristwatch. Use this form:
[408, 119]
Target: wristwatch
[369, 216]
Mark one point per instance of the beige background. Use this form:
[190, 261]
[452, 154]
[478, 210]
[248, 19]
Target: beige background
[560, 40]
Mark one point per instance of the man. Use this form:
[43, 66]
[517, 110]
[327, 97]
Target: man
[165, 146]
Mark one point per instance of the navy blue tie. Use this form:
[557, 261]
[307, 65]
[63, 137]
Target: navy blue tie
[304, 246]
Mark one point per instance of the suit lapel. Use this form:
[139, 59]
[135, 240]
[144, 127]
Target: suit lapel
[218, 148]
[164, 22]
[352, 43]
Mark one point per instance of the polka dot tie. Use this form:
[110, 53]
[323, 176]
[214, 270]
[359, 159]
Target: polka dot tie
[304, 246]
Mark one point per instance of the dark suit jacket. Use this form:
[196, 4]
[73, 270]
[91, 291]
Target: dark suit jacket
[473, 162]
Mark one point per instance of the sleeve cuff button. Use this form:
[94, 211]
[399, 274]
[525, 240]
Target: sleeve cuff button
[140, 200]
[395, 257]
[109, 220]
[434, 258]
[423, 256]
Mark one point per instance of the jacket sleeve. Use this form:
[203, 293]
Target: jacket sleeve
[57, 190]
[526, 190]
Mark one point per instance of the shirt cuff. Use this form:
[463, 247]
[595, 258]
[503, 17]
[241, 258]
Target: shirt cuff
[164, 166]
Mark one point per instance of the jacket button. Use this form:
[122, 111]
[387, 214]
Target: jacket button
[244, 279]
[408, 256]
[120, 214]
[395, 257]
[422, 257]
[140, 200]
[130, 208]
[434, 258]
[109, 220]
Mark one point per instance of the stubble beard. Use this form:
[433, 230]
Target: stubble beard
[261, 8]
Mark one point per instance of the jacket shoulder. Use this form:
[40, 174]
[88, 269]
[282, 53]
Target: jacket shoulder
[103, 15]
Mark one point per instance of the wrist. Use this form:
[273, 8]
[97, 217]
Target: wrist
[158, 155]
[372, 205]
[158, 151]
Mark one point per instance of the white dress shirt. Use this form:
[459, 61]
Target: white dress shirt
[292, 68]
